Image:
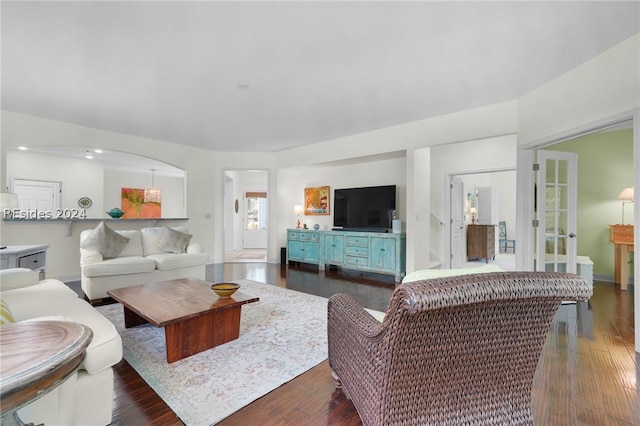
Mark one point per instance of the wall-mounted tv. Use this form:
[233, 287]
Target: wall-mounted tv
[364, 209]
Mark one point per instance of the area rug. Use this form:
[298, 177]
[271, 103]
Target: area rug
[251, 256]
[281, 336]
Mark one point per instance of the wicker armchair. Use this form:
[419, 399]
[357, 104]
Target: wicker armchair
[457, 350]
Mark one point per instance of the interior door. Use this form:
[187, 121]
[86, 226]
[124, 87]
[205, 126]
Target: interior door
[255, 221]
[35, 195]
[556, 211]
[457, 222]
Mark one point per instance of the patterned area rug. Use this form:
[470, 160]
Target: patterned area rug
[244, 256]
[281, 336]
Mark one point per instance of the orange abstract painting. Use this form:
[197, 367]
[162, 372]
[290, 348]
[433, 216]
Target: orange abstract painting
[316, 200]
[141, 203]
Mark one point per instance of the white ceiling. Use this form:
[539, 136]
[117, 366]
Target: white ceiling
[266, 76]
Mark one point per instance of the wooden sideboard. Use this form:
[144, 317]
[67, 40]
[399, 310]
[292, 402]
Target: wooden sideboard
[622, 238]
[379, 252]
[481, 242]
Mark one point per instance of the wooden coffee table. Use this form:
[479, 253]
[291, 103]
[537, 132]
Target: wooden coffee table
[194, 318]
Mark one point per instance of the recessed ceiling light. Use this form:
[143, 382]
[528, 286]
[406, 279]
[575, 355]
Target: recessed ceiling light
[22, 148]
[89, 157]
[97, 151]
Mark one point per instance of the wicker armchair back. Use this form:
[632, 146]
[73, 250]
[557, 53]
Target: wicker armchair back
[455, 350]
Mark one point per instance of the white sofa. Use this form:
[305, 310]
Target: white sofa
[86, 397]
[141, 261]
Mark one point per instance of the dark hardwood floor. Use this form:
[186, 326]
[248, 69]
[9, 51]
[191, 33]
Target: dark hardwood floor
[587, 374]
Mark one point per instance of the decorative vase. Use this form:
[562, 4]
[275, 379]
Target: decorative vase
[115, 213]
[316, 226]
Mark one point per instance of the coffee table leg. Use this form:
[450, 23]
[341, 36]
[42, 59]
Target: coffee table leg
[200, 333]
[131, 319]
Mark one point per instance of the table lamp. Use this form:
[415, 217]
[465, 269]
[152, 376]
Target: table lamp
[8, 201]
[298, 210]
[473, 212]
[627, 197]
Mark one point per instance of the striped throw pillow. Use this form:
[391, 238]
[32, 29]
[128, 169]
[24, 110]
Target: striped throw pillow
[6, 317]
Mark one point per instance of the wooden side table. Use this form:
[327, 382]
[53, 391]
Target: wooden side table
[622, 237]
[29, 256]
[36, 357]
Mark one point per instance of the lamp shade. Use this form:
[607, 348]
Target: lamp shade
[298, 209]
[8, 201]
[626, 194]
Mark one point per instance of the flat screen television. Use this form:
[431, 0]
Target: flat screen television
[364, 209]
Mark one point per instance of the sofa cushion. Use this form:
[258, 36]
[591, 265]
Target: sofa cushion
[134, 245]
[104, 240]
[173, 241]
[167, 261]
[104, 351]
[6, 317]
[151, 238]
[119, 266]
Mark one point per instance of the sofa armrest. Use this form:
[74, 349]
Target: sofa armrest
[194, 248]
[356, 343]
[87, 257]
[18, 278]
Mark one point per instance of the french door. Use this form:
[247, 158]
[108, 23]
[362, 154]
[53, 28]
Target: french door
[556, 211]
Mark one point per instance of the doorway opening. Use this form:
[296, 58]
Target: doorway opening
[463, 208]
[246, 216]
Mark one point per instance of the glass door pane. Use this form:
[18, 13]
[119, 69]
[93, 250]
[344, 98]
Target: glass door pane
[557, 215]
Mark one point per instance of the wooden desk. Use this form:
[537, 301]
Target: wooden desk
[36, 357]
[622, 237]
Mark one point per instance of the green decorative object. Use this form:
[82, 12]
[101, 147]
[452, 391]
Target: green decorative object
[115, 213]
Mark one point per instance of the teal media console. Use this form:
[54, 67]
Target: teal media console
[378, 252]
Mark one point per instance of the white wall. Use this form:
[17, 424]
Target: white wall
[602, 89]
[294, 180]
[471, 157]
[205, 169]
[504, 183]
[414, 139]
[173, 200]
[606, 85]
[80, 178]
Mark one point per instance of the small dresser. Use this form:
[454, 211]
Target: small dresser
[481, 242]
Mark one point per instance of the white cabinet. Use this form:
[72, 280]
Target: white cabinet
[32, 257]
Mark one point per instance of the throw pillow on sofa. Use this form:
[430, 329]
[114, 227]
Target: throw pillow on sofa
[173, 241]
[105, 240]
[6, 317]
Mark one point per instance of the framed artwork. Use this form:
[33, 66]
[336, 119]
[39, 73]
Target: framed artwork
[316, 201]
[140, 203]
